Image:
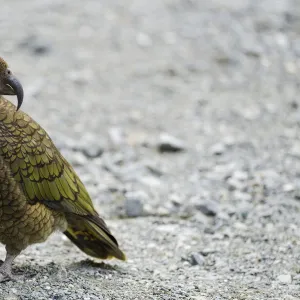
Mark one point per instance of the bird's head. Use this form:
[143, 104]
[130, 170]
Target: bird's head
[9, 84]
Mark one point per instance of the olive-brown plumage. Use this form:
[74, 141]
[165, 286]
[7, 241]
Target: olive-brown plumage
[39, 191]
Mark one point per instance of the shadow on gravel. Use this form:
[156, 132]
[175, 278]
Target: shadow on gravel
[90, 264]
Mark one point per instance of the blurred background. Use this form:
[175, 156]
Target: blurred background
[182, 119]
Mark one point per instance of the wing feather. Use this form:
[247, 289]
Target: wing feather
[36, 164]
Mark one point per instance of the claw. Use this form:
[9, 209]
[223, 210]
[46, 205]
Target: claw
[6, 277]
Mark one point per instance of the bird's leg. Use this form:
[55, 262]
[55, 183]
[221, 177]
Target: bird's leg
[5, 269]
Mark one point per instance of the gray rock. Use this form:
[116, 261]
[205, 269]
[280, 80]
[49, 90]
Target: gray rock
[77, 158]
[218, 149]
[285, 278]
[169, 143]
[241, 196]
[36, 44]
[250, 113]
[116, 135]
[89, 145]
[243, 208]
[295, 150]
[12, 296]
[207, 251]
[208, 208]
[93, 151]
[80, 77]
[133, 207]
[297, 195]
[143, 40]
[240, 175]
[235, 184]
[288, 187]
[197, 259]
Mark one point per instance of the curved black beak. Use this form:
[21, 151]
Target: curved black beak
[16, 87]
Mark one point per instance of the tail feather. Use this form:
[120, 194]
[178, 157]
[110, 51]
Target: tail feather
[91, 235]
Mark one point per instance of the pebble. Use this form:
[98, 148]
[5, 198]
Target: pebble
[12, 296]
[36, 44]
[243, 208]
[285, 278]
[89, 145]
[78, 159]
[240, 175]
[150, 181]
[218, 149]
[207, 207]
[143, 40]
[169, 143]
[116, 135]
[250, 113]
[197, 259]
[240, 226]
[288, 187]
[80, 77]
[297, 196]
[235, 184]
[295, 150]
[241, 196]
[133, 207]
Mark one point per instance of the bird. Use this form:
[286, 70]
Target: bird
[40, 192]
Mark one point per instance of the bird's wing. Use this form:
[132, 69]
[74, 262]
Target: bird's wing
[37, 165]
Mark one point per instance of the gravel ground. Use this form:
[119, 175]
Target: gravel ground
[182, 118]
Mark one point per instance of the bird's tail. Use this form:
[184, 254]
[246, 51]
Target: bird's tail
[91, 235]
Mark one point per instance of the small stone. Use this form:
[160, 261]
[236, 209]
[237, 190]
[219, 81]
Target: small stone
[252, 49]
[35, 87]
[143, 40]
[288, 187]
[250, 113]
[235, 184]
[285, 278]
[225, 58]
[116, 135]
[133, 207]
[243, 207]
[197, 259]
[240, 226]
[12, 296]
[78, 159]
[176, 200]
[89, 145]
[36, 44]
[218, 149]
[168, 143]
[207, 251]
[295, 151]
[170, 37]
[240, 175]
[241, 196]
[290, 297]
[150, 181]
[294, 105]
[229, 140]
[297, 196]
[296, 277]
[208, 208]
[80, 77]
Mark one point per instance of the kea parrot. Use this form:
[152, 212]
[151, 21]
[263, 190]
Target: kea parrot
[39, 190]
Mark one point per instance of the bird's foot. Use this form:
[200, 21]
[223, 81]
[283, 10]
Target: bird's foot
[10, 277]
[6, 276]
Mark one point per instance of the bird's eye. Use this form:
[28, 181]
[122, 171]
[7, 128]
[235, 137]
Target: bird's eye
[8, 71]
